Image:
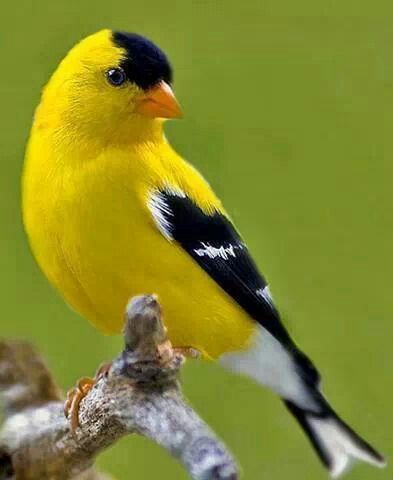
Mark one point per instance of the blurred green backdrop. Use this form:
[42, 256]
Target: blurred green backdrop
[289, 114]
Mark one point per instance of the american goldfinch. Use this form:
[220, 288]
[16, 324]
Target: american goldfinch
[111, 211]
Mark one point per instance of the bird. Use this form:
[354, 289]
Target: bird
[111, 211]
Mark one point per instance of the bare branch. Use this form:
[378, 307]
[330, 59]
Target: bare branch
[140, 394]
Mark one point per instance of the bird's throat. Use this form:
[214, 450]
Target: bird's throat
[72, 134]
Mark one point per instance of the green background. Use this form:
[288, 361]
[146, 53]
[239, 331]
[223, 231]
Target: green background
[289, 114]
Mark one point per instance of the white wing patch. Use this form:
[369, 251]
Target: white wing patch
[161, 210]
[223, 252]
[265, 294]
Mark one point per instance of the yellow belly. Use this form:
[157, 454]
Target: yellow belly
[99, 246]
[196, 311]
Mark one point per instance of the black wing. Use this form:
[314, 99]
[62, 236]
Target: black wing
[213, 242]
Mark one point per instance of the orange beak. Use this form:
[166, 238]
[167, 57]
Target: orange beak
[159, 102]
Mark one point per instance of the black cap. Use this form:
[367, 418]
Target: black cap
[145, 64]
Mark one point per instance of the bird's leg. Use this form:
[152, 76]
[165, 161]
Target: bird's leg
[77, 394]
[166, 351]
[188, 352]
[74, 398]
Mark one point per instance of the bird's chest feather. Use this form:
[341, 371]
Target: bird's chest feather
[94, 236]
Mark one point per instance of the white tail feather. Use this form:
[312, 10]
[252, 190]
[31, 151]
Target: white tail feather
[291, 375]
[339, 445]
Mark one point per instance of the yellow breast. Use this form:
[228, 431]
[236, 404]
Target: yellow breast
[94, 237]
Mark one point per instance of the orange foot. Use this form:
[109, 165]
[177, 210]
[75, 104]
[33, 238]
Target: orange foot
[77, 394]
[188, 352]
[166, 352]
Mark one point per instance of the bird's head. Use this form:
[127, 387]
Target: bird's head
[110, 83]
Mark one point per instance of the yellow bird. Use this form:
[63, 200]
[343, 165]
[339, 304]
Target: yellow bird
[112, 211]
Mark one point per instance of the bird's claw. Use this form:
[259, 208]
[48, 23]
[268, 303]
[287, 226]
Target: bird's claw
[78, 393]
[188, 352]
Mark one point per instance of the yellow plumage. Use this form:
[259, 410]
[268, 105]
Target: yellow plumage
[112, 211]
[86, 186]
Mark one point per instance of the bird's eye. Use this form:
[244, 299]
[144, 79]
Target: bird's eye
[116, 76]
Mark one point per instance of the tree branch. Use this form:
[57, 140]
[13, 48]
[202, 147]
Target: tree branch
[139, 394]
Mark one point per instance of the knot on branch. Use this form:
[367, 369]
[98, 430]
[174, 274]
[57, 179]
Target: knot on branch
[139, 393]
[148, 358]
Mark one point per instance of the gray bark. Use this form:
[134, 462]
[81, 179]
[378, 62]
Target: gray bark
[139, 394]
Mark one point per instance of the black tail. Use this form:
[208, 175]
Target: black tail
[292, 375]
[336, 444]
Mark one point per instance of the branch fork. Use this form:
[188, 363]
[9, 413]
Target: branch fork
[138, 393]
